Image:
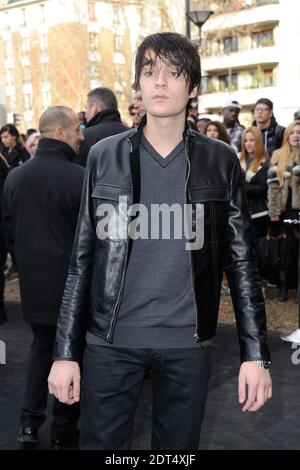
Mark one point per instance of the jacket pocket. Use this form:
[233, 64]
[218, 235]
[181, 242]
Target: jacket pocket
[111, 205]
[206, 194]
[111, 193]
[215, 201]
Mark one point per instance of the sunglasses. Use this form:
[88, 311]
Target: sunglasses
[134, 114]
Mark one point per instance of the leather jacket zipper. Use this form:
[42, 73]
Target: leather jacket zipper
[116, 309]
[196, 336]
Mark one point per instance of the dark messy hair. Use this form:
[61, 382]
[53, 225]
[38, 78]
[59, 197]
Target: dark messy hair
[223, 135]
[266, 102]
[174, 49]
[11, 129]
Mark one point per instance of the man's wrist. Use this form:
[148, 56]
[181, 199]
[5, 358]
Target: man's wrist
[262, 363]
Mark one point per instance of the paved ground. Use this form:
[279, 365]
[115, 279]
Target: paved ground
[277, 426]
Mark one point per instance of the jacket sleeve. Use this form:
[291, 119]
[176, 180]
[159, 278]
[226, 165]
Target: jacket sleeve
[72, 320]
[274, 192]
[6, 217]
[24, 154]
[243, 277]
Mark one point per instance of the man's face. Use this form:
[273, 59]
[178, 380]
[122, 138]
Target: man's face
[8, 140]
[231, 115]
[138, 104]
[91, 109]
[262, 114]
[135, 116]
[73, 135]
[164, 92]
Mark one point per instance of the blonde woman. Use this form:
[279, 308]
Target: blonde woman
[255, 163]
[284, 198]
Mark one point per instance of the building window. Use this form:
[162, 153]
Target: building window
[230, 44]
[262, 78]
[26, 74]
[116, 15]
[23, 19]
[28, 101]
[6, 22]
[228, 82]
[268, 73]
[45, 72]
[120, 76]
[43, 42]
[94, 71]
[12, 102]
[92, 12]
[8, 50]
[43, 18]
[9, 76]
[118, 43]
[46, 98]
[25, 45]
[94, 41]
[262, 39]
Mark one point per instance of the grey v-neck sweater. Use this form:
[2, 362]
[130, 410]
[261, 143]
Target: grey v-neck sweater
[157, 308]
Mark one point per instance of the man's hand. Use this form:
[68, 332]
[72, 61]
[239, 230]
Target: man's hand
[255, 386]
[64, 381]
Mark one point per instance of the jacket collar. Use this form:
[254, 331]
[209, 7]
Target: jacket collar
[135, 138]
[55, 147]
[270, 128]
[107, 115]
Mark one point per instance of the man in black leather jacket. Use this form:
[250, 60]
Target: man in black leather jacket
[143, 297]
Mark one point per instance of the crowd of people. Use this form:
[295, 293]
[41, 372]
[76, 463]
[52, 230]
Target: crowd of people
[269, 155]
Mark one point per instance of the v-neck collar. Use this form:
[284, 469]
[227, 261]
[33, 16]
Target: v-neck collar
[164, 162]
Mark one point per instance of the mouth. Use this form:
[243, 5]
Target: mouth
[160, 97]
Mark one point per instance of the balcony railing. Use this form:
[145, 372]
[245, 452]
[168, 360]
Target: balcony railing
[212, 50]
[226, 6]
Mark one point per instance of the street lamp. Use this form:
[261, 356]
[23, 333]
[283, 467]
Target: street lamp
[199, 17]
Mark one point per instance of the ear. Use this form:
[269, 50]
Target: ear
[59, 132]
[194, 92]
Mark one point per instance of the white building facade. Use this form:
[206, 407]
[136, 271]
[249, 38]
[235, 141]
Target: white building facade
[250, 51]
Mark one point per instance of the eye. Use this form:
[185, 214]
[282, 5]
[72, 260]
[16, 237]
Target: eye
[148, 73]
[174, 73]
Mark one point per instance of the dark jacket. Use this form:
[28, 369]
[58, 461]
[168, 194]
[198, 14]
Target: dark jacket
[16, 156]
[257, 191]
[97, 270]
[40, 208]
[104, 124]
[4, 168]
[272, 136]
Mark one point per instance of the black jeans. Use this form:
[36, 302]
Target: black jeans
[112, 380]
[65, 417]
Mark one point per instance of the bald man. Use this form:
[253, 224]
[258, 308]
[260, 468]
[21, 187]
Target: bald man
[41, 202]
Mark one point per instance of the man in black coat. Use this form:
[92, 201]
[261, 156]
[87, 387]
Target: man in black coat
[4, 168]
[41, 202]
[265, 121]
[103, 120]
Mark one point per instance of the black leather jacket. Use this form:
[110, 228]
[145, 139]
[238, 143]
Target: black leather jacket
[94, 287]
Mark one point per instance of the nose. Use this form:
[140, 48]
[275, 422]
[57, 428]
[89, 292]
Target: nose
[160, 78]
